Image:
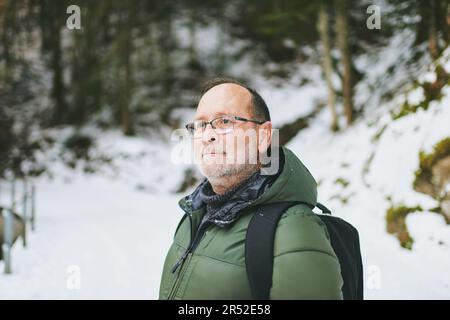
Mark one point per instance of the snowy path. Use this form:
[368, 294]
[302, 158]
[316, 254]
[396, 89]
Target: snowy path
[115, 236]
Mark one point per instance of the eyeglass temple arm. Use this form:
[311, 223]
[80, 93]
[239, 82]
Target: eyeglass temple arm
[249, 120]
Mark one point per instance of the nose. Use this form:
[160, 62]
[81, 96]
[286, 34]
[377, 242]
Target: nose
[209, 134]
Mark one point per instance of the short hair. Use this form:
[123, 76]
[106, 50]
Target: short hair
[260, 110]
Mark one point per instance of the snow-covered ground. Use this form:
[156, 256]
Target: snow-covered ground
[98, 236]
[106, 235]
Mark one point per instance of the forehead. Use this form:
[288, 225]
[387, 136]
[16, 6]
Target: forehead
[226, 98]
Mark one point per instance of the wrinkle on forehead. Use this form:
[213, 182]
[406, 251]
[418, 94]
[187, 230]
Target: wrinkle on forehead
[226, 98]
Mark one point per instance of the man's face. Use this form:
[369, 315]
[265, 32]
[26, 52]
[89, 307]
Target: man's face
[222, 155]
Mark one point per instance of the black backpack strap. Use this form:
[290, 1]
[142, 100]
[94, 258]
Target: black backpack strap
[259, 247]
[323, 208]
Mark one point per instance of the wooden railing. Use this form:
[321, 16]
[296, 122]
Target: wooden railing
[15, 217]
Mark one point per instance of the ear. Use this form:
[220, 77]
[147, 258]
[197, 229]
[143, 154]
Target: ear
[264, 136]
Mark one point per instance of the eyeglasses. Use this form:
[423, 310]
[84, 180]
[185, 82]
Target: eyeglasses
[220, 125]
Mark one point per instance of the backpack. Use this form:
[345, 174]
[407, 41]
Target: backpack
[259, 245]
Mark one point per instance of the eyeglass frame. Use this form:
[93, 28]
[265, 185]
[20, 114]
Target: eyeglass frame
[205, 123]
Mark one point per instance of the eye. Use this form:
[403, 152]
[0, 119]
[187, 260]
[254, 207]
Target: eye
[223, 122]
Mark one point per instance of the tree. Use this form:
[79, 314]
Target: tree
[342, 32]
[323, 28]
[125, 113]
[51, 21]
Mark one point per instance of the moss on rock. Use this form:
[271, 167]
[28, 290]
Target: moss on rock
[432, 92]
[396, 223]
[423, 181]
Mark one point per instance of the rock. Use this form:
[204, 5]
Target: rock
[441, 185]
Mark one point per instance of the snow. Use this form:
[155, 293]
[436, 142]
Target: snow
[111, 230]
[291, 100]
[289, 103]
[105, 235]
[114, 236]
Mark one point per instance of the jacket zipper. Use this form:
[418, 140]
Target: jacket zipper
[186, 252]
[180, 276]
[193, 242]
[200, 231]
[187, 256]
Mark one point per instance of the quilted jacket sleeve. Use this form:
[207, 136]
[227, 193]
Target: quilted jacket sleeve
[305, 264]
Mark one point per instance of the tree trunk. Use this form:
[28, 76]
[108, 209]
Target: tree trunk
[5, 42]
[127, 126]
[166, 43]
[446, 22]
[323, 28]
[343, 43]
[433, 44]
[51, 24]
[58, 81]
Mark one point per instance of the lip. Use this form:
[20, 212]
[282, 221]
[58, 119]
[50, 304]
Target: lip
[213, 153]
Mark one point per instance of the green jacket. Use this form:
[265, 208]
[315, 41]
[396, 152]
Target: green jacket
[305, 265]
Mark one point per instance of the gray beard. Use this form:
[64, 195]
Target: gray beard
[229, 174]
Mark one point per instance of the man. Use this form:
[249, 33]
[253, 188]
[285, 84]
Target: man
[207, 257]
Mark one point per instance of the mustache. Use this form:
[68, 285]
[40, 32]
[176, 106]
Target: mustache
[213, 151]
